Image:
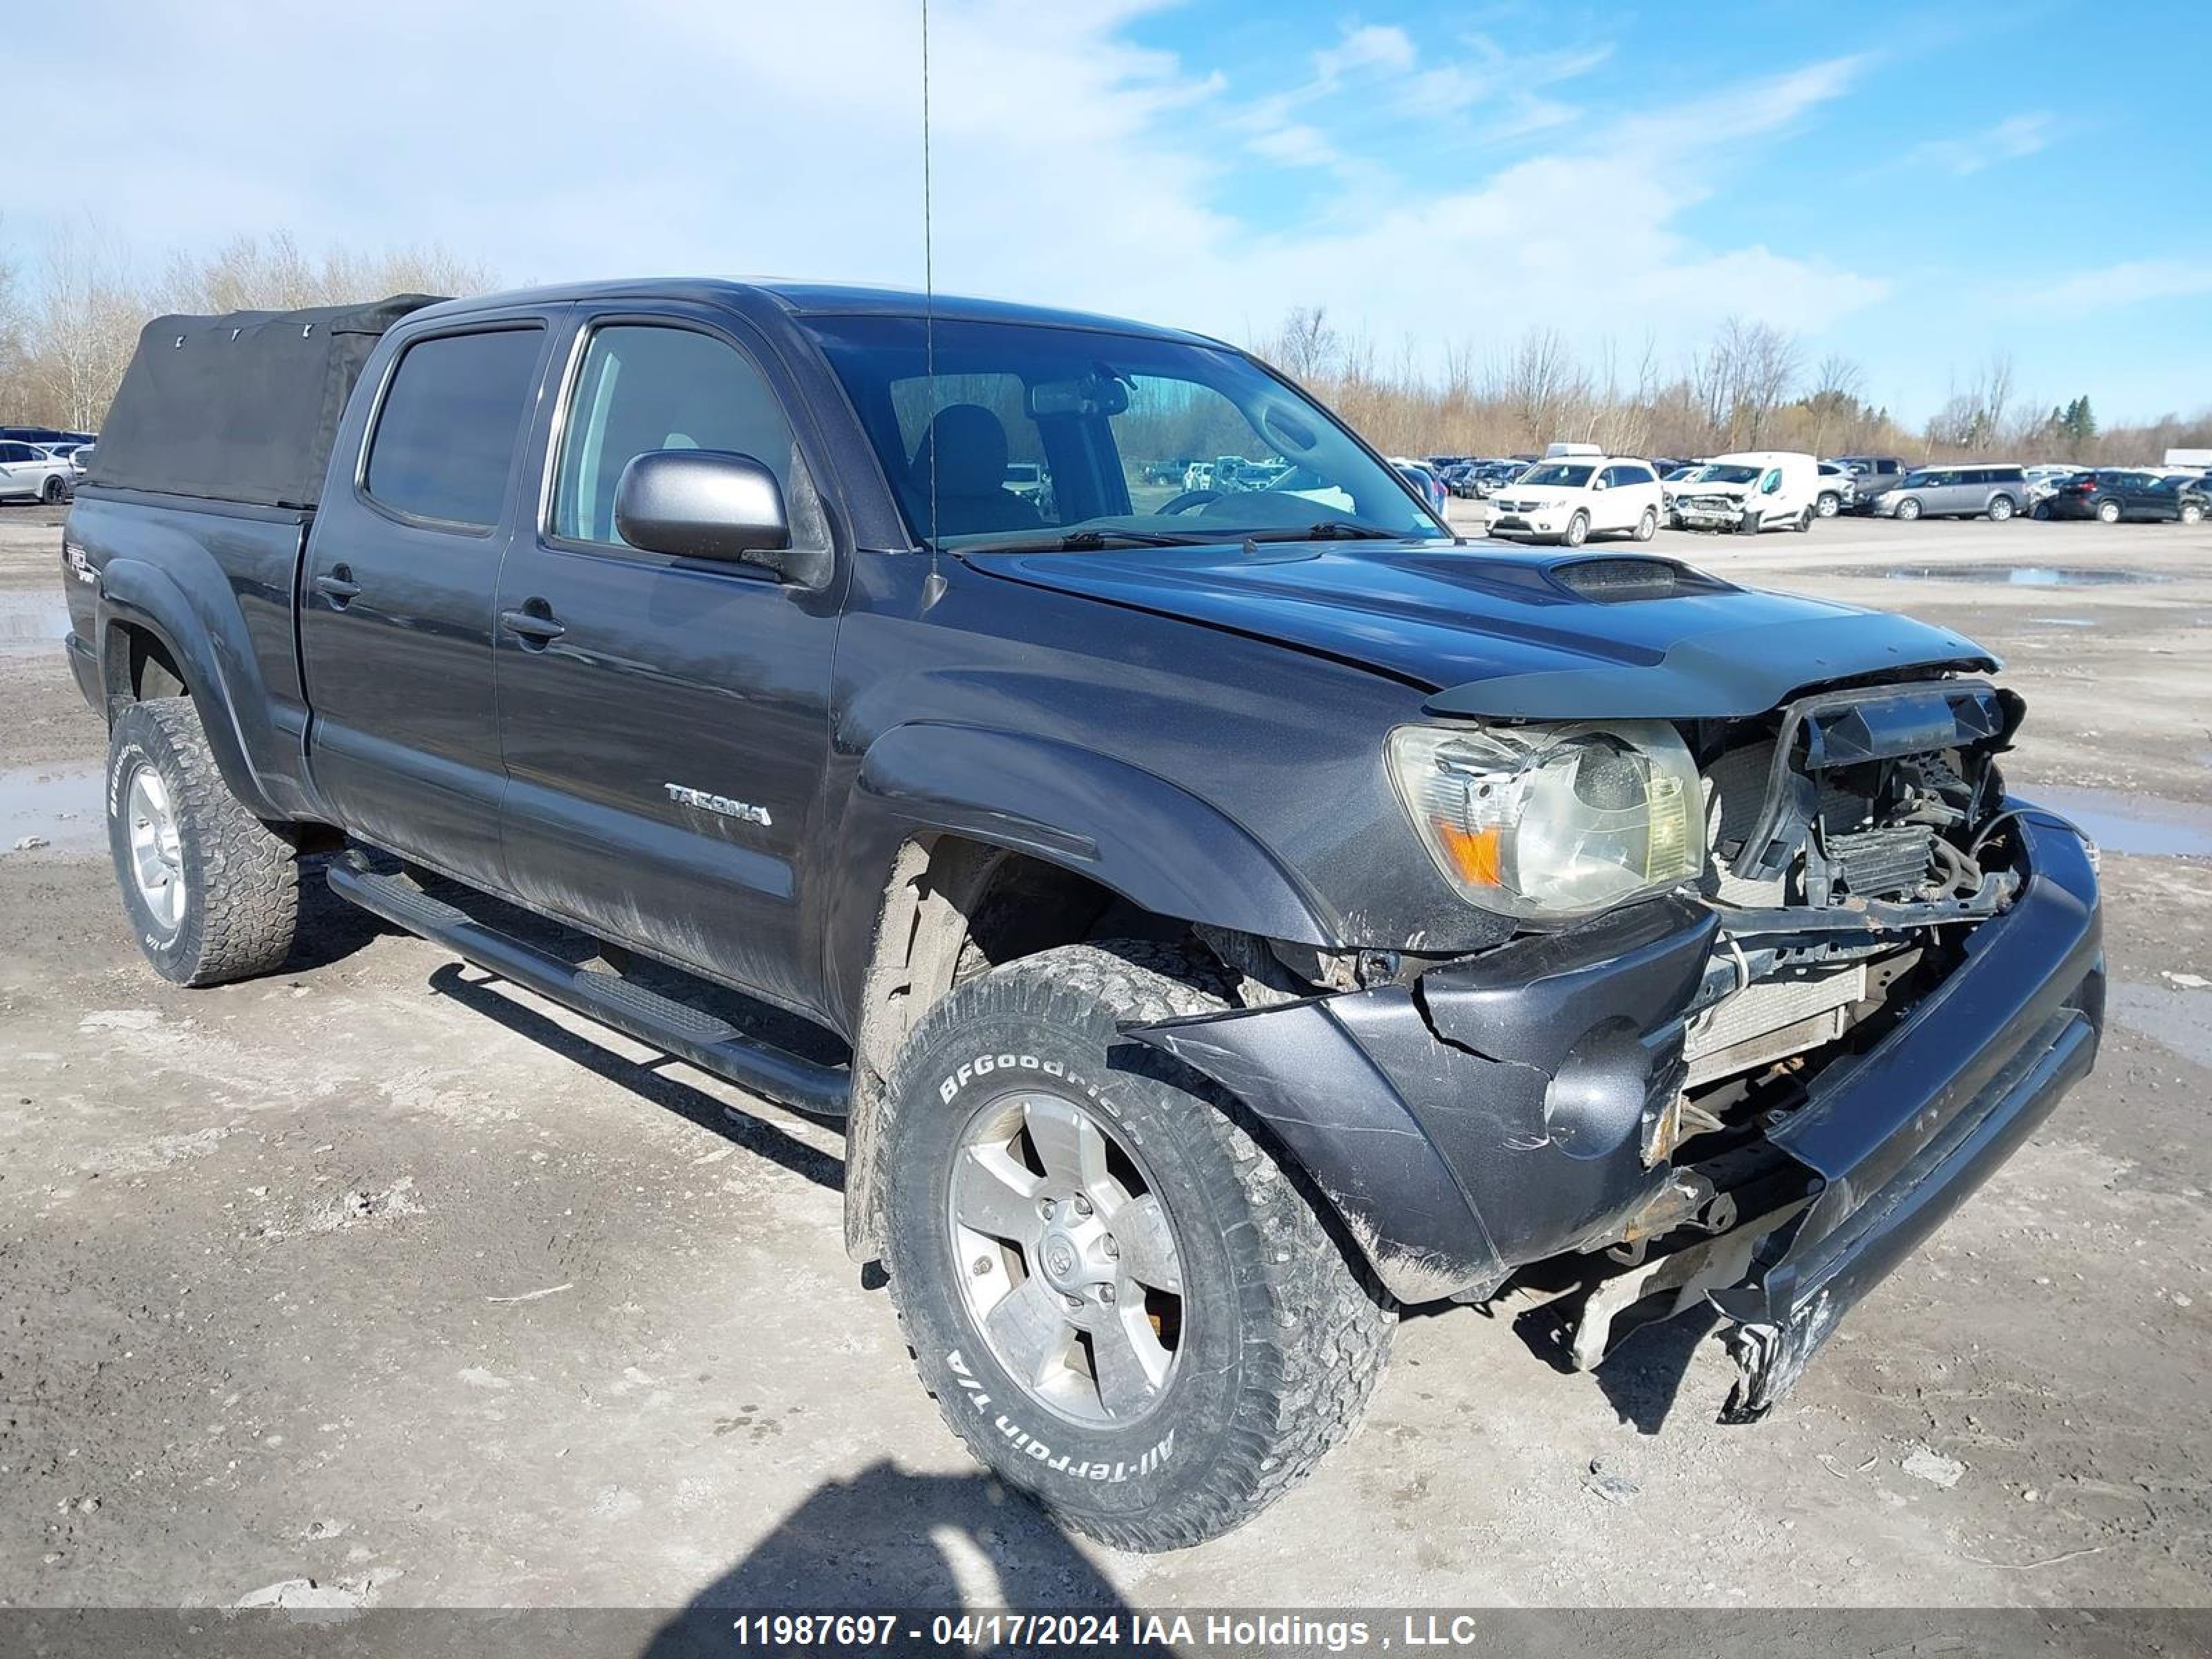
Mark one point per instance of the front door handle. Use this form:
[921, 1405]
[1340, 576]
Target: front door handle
[533, 624]
[338, 586]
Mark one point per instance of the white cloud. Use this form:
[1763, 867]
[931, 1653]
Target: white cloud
[2131, 282]
[1371, 46]
[1070, 164]
[2008, 140]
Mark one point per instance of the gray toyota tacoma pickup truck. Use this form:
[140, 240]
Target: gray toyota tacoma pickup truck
[1220, 918]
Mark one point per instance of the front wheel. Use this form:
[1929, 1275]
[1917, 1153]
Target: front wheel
[1578, 531]
[1908, 509]
[1122, 1303]
[1647, 525]
[2191, 513]
[211, 891]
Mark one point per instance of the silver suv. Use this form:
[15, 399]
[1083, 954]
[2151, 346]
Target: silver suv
[1956, 492]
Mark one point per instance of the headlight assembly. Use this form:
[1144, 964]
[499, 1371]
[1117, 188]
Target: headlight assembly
[1553, 822]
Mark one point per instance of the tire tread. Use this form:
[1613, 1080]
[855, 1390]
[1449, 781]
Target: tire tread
[1329, 1324]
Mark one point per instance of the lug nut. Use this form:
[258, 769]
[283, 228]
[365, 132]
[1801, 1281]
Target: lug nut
[1106, 1294]
[1050, 1209]
[982, 1265]
[1082, 1204]
[1075, 1304]
[1113, 1250]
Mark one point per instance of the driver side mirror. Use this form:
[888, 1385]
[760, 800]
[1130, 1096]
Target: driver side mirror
[713, 504]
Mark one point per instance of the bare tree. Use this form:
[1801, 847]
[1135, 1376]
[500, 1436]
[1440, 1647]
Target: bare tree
[84, 325]
[1305, 347]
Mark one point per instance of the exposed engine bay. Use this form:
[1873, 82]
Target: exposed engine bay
[1845, 831]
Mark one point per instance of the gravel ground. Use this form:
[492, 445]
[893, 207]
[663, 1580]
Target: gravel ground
[380, 1275]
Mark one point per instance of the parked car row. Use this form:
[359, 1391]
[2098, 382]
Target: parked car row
[1578, 492]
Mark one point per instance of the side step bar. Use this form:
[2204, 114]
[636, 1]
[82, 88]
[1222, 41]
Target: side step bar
[713, 1045]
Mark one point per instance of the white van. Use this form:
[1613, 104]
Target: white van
[1753, 490]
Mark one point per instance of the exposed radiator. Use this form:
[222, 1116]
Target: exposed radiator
[1771, 1021]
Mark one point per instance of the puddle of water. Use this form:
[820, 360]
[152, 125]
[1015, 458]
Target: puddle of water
[61, 804]
[2182, 1020]
[26, 617]
[2120, 822]
[2008, 576]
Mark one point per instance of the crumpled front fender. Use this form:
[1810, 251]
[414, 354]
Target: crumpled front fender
[1488, 1116]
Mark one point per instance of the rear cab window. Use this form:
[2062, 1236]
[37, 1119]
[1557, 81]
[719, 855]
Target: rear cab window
[443, 447]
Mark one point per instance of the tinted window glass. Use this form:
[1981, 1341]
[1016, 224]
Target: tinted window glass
[644, 388]
[1635, 475]
[13, 452]
[445, 439]
[2007, 475]
[1130, 433]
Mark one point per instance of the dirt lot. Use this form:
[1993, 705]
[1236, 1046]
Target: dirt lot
[381, 1274]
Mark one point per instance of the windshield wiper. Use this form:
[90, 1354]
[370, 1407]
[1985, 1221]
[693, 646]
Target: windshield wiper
[1332, 529]
[1088, 541]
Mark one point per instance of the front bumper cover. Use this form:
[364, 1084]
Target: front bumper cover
[1497, 1111]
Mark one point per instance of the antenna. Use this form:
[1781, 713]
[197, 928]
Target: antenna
[935, 588]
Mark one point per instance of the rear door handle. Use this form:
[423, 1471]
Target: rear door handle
[533, 623]
[339, 587]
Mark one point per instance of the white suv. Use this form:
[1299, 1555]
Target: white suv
[1574, 498]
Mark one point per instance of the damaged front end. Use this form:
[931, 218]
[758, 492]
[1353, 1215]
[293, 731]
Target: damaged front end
[1758, 1095]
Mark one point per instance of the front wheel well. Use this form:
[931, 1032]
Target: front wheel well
[953, 909]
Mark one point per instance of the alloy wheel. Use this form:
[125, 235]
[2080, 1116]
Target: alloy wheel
[1066, 1258]
[157, 859]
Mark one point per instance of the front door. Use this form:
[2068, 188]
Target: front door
[666, 720]
[395, 605]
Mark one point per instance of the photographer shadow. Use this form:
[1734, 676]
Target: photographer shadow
[886, 1539]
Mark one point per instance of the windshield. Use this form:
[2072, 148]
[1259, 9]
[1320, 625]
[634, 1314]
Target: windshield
[1132, 437]
[1725, 472]
[1557, 472]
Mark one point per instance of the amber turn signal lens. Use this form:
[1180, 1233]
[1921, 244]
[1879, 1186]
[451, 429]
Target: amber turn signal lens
[1478, 856]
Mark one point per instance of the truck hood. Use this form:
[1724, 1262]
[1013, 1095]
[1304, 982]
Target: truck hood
[1507, 632]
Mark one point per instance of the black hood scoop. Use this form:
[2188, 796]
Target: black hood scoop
[1626, 579]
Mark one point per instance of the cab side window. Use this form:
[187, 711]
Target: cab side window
[446, 433]
[647, 386]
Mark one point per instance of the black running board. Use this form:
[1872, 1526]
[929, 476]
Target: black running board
[712, 1044]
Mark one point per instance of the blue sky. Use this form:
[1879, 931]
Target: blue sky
[1915, 190]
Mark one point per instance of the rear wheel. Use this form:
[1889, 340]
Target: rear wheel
[1120, 1302]
[1647, 525]
[2000, 508]
[1830, 504]
[2191, 513]
[211, 891]
[1577, 530]
[1804, 521]
[54, 491]
[2108, 511]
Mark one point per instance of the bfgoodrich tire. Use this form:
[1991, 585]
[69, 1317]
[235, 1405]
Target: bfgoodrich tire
[1254, 1340]
[212, 893]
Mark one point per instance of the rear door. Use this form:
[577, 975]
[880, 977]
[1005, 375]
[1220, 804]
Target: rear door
[396, 605]
[665, 724]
